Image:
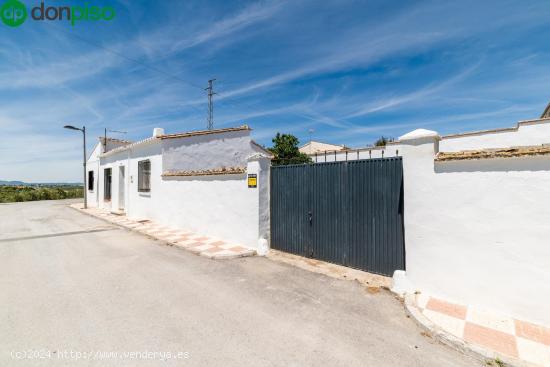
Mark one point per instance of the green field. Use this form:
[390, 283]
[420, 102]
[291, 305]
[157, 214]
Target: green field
[13, 194]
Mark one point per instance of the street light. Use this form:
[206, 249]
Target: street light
[70, 127]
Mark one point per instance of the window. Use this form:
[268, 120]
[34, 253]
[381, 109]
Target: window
[144, 176]
[90, 180]
[107, 177]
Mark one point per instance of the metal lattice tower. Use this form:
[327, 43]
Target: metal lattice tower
[210, 89]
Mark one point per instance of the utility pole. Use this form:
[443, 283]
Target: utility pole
[210, 89]
[84, 164]
[310, 131]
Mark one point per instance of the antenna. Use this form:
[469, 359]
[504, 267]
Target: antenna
[310, 131]
[105, 137]
[210, 89]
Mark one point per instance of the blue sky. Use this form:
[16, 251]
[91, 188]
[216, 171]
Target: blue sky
[349, 70]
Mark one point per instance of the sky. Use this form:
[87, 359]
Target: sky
[343, 72]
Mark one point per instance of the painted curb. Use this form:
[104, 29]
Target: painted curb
[454, 342]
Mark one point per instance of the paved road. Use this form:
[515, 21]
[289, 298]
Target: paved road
[72, 285]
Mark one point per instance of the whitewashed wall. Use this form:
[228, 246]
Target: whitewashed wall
[219, 206]
[92, 164]
[201, 152]
[477, 232]
[526, 133]
[391, 150]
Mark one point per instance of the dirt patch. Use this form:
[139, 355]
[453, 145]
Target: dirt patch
[372, 282]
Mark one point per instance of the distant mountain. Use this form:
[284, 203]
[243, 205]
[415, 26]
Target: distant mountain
[21, 183]
[11, 183]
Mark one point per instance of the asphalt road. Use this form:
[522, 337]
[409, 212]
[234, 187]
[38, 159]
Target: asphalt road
[75, 291]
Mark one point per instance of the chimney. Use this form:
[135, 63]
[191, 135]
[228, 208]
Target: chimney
[158, 131]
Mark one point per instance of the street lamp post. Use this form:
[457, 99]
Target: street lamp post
[70, 127]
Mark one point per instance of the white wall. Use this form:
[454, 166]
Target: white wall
[220, 206]
[354, 154]
[92, 164]
[526, 133]
[95, 196]
[477, 232]
[536, 133]
[201, 152]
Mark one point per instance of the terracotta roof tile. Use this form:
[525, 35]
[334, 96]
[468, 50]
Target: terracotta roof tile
[102, 139]
[206, 172]
[204, 132]
[493, 153]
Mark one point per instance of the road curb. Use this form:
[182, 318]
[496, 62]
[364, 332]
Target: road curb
[437, 333]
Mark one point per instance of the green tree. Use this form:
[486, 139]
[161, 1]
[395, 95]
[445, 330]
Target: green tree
[382, 141]
[285, 149]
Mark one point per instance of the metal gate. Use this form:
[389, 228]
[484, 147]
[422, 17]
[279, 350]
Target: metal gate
[349, 213]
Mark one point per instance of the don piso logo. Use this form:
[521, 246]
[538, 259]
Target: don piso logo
[14, 13]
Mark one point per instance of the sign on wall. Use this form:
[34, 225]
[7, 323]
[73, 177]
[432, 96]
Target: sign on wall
[252, 181]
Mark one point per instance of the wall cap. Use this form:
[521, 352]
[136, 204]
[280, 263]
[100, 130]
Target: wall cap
[206, 172]
[419, 134]
[512, 152]
[258, 156]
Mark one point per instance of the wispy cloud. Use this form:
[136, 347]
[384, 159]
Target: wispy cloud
[350, 70]
[55, 73]
[250, 15]
[169, 40]
[417, 95]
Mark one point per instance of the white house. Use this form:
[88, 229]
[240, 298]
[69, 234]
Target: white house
[314, 147]
[213, 182]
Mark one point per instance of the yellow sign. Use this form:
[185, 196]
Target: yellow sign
[252, 181]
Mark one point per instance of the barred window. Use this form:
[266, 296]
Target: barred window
[144, 176]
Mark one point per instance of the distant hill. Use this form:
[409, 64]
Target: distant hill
[21, 183]
[12, 183]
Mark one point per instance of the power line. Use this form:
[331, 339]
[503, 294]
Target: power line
[121, 55]
[211, 93]
[155, 69]
[210, 89]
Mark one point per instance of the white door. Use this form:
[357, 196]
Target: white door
[121, 186]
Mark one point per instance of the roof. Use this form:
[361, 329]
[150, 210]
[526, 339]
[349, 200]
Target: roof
[153, 139]
[102, 140]
[313, 147]
[204, 132]
[149, 140]
[546, 113]
[494, 153]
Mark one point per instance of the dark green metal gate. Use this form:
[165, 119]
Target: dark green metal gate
[349, 213]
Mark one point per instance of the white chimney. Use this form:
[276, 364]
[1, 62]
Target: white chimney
[158, 131]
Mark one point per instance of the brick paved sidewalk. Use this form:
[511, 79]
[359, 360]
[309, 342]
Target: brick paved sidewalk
[502, 335]
[210, 247]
